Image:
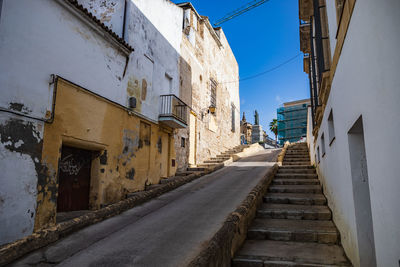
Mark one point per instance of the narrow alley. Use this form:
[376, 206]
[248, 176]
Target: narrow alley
[229, 133]
[167, 231]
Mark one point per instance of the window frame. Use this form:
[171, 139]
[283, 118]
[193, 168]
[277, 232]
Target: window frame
[323, 149]
[213, 93]
[331, 128]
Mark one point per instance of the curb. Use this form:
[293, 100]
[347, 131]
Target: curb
[282, 154]
[229, 238]
[12, 251]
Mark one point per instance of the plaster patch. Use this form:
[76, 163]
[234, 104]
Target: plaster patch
[18, 144]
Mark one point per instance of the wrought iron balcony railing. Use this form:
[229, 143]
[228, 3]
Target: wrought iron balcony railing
[173, 111]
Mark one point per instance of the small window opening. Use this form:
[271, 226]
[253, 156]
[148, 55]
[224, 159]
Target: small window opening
[331, 128]
[183, 141]
[323, 144]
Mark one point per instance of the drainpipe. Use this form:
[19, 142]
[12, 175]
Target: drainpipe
[125, 25]
[125, 29]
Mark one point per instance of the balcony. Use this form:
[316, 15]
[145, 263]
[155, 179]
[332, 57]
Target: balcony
[305, 38]
[173, 112]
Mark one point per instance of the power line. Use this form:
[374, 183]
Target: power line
[267, 71]
[240, 11]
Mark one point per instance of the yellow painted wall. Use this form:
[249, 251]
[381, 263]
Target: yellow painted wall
[123, 163]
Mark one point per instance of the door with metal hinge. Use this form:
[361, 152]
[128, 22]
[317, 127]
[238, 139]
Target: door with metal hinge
[74, 179]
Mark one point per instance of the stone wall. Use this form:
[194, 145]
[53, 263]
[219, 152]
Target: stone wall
[207, 52]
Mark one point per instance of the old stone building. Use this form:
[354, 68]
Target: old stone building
[209, 70]
[245, 130]
[88, 107]
[92, 104]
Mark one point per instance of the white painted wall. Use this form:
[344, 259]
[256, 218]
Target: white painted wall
[39, 38]
[110, 12]
[51, 40]
[18, 185]
[332, 26]
[155, 31]
[310, 137]
[367, 83]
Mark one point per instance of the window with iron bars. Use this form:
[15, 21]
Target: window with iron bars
[213, 90]
[320, 52]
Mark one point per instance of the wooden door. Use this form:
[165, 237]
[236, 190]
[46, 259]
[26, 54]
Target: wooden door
[74, 179]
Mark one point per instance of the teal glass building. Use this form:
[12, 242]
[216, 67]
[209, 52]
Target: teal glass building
[292, 121]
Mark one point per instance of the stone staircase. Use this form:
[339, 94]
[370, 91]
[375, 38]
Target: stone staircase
[215, 161]
[293, 226]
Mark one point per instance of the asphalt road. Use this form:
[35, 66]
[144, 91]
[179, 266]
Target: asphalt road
[166, 231]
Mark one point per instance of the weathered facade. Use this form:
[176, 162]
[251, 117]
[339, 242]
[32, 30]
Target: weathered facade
[89, 103]
[245, 130]
[209, 68]
[353, 124]
[101, 98]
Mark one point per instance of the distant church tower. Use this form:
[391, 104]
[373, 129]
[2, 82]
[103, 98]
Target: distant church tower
[244, 118]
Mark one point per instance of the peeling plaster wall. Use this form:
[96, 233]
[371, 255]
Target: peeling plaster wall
[155, 35]
[125, 162]
[51, 40]
[110, 12]
[154, 30]
[208, 60]
[39, 38]
[20, 154]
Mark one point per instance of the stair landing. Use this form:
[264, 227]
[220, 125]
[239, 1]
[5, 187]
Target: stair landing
[293, 227]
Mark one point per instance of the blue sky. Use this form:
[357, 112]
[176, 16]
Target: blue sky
[261, 39]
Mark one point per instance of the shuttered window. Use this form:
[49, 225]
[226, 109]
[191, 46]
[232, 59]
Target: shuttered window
[213, 90]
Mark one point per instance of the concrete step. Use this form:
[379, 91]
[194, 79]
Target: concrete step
[214, 161]
[294, 167]
[295, 156]
[295, 181]
[295, 159]
[295, 212]
[221, 157]
[236, 150]
[260, 253]
[297, 199]
[296, 176]
[307, 163]
[207, 165]
[227, 154]
[195, 169]
[297, 170]
[304, 151]
[302, 189]
[293, 230]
